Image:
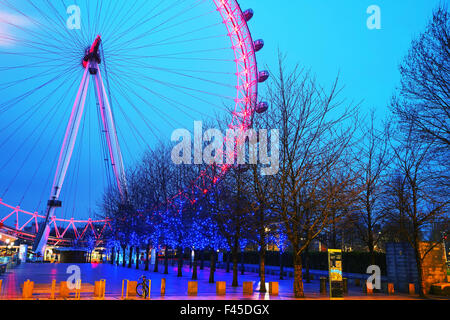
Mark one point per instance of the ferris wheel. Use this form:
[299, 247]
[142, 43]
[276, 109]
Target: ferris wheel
[86, 86]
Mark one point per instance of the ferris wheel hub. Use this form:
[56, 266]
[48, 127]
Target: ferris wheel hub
[92, 54]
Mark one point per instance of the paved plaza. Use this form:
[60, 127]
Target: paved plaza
[176, 288]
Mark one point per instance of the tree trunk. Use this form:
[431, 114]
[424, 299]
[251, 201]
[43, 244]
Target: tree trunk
[242, 263]
[180, 264]
[137, 257]
[419, 263]
[212, 268]
[202, 259]
[262, 269]
[130, 257]
[235, 267]
[147, 256]
[194, 272]
[281, 265]
[298, 277]
[113, 256]
[156, 269]
[166, 262]
[308, 280]
[124, 250]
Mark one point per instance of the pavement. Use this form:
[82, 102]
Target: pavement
[176, 288]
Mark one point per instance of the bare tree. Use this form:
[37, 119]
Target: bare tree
[420, 201]
[372, 160]
[315, 177]
[423, 102]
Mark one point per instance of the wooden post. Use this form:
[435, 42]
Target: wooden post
[345, 285]
[53, 290]
[98, 289]
[192, 288]
[273, 288]
[221, 288]
[149, 288]
[123, 287]
[390, 288]
[131, 288]
[412, 289]
[323, 285]
[248, 287]
[78, 290]
[163, 287]
[369, 291]
[63, 290]
[27, 292]
[104, 288]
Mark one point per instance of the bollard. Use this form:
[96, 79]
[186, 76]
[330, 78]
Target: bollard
[104, 288]
[124, 289]
[53, 290]
[149, 288]
[131, 288]
[1, 282]
[163, 287]
[323, 285]
[63, 290]
[412, 289]
[192, 288]
[345, 285]
[248, 287]
[367, 290]
[273, 288]
[221, 288]
[27, 292]
[78, 290]
[99, 289]
[391, 288]
[30, 289]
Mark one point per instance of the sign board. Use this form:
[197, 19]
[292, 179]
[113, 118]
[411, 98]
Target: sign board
[153, 257]
[335, 274]
[23, 251]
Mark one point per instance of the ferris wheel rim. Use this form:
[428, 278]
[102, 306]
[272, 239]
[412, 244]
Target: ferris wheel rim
[245, 102]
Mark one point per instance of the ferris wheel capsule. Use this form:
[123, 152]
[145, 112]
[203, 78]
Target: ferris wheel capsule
[262, 107]
[258, 45]
[248, 15]
[263, 76]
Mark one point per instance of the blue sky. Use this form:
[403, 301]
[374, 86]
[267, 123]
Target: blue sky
[331, 37]
[327, 36]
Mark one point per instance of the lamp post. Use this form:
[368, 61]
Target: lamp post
[444, 238]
